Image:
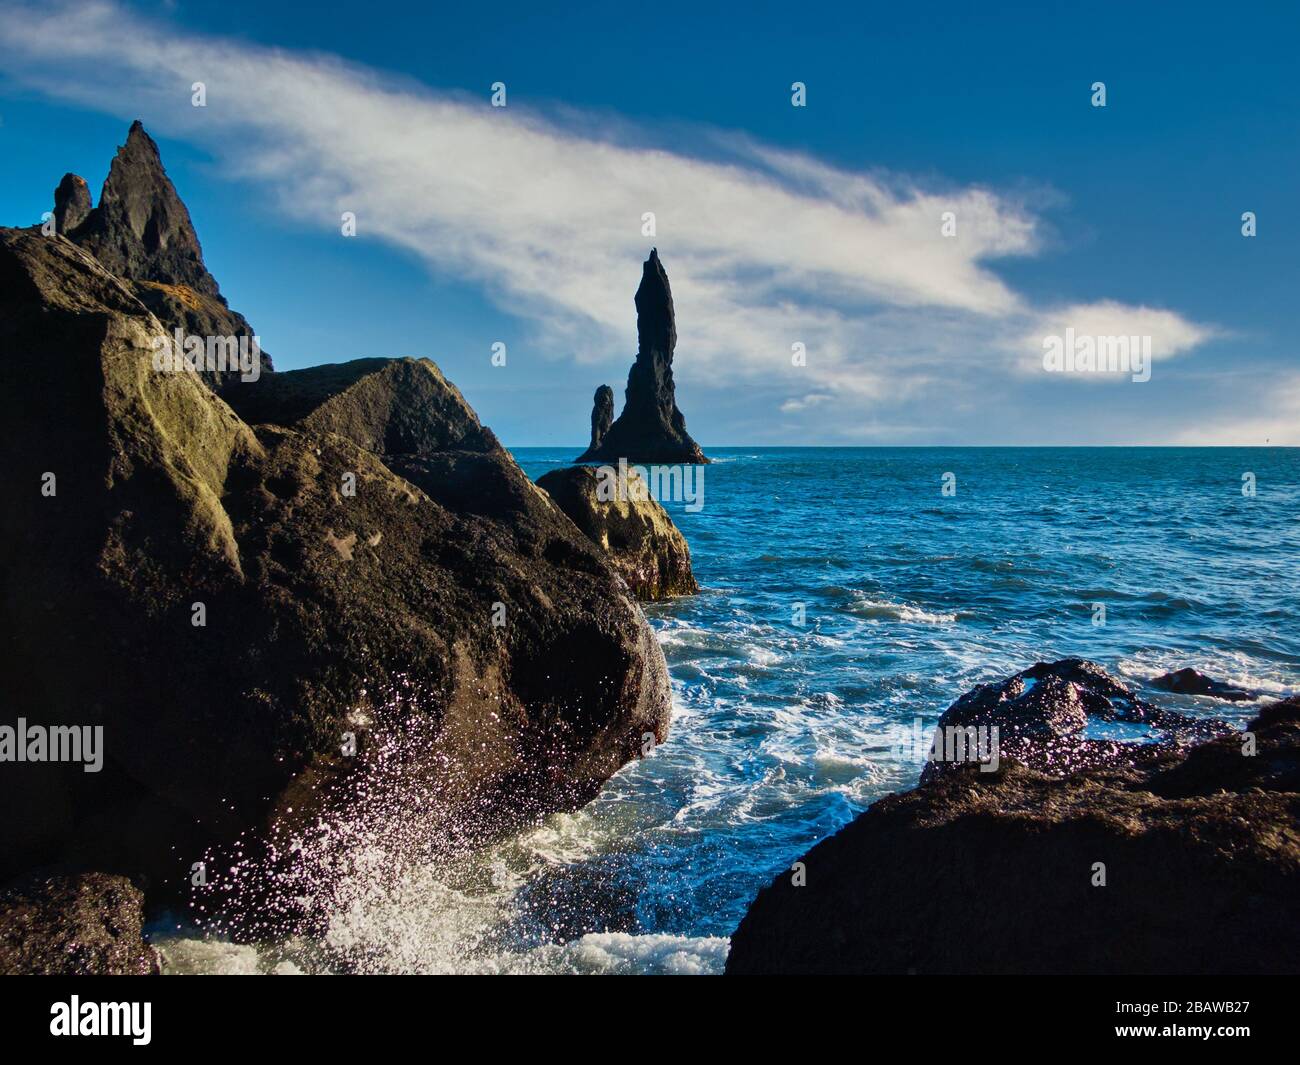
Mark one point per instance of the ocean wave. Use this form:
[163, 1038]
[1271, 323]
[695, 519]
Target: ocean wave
[596, 953]
[866, 607]
[1232, 668]
[783, 733]
[618, 953]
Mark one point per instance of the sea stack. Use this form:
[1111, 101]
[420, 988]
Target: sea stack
[651, 429]
[602, 416]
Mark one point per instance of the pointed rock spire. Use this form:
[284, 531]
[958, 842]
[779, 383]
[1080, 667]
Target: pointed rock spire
[141, 229]
[602, 415]
[71, 203]
[651, 428]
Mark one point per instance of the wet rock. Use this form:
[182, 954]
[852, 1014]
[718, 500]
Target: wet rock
[635, 531]
[87, 924]
[651, 428]
[1162, 859]
[1193, 682]
[1041, 713]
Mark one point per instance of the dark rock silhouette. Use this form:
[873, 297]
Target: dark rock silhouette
[348, 551]
[87, 924]
[142, 232]
[602, 416]
[1041, 713]
[991, 873]
[71, 203]
[651, 429]
[1194, 682]
[637, 534]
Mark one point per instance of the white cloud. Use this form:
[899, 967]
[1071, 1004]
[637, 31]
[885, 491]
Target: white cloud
[1170, 334]
[764, 247]
[801, 403]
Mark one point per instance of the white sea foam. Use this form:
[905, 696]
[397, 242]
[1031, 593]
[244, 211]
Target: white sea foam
[186, 955]
[620, 953]
[866, 607]
[1235, 668]
[597, 953]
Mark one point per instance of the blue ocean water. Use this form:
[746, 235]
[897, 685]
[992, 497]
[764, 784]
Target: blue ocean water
[783, 732]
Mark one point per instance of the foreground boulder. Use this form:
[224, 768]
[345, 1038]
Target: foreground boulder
[86, 924]
[1164, 860]
[651, 428]
[635, 531]
[251, 613]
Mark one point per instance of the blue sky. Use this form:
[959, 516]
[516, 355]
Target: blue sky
[817, 225]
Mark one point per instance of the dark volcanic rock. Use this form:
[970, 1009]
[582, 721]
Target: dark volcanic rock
[71, 203]
[651, 428]
[86, 924]
[993, 873]
[602, 416]
[337, 595]
[1193, 682]
[635, 532]
[387, 406]
[141, 231]
[1042, 711]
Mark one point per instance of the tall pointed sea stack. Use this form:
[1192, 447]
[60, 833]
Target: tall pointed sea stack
[651, 428]
[141, 231]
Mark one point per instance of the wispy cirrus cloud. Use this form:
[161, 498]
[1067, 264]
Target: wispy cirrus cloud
[765, 247]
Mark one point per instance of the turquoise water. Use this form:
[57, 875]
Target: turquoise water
[782, 733]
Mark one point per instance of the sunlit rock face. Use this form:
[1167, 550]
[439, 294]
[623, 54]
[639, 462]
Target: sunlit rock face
[634, 531]
[87, 924]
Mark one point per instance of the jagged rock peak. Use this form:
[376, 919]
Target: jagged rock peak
[602, 415]
[142, 233]
[141, 230]
[651, 428]
[656, 323]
